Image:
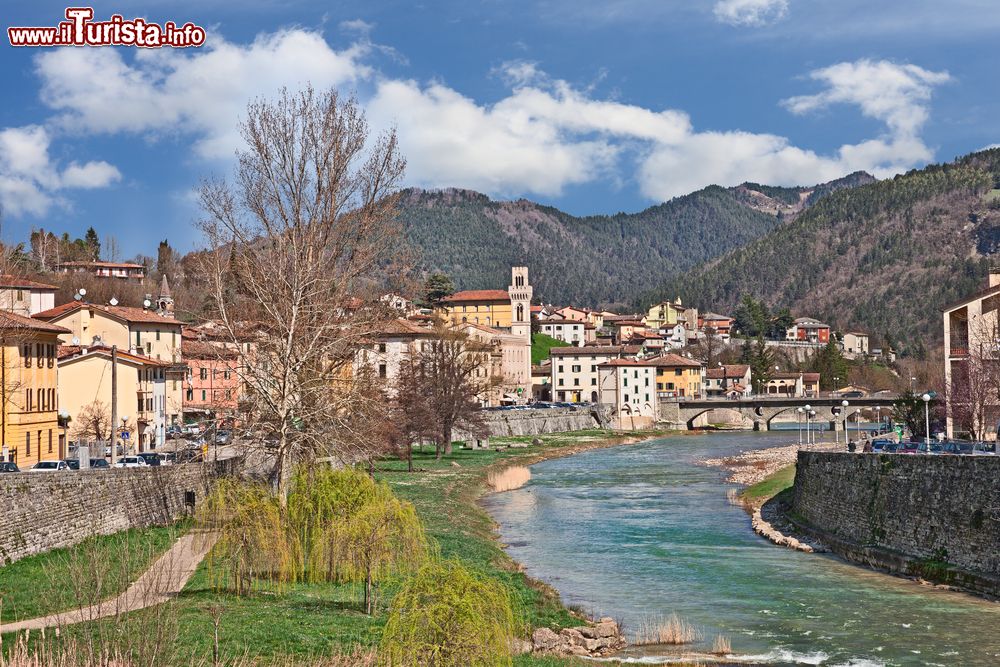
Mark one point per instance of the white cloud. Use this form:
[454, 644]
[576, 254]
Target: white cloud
[202, 92]
[541, 138]
[30, 181]
[750, 12]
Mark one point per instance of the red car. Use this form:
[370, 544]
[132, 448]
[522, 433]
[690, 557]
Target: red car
[908, 448]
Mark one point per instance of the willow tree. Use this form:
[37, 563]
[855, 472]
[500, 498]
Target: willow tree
[297, 241]
[447, 616]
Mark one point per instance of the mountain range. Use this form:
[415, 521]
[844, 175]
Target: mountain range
[883, 256]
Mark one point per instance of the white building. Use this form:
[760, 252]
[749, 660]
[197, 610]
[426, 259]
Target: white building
[575, 370]
[855, 345]
[629, 387]
[566, 330]
[25, 297]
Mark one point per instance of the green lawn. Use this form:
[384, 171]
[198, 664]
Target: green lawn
[770, 486]
[540, 346]
[59, 580]
[319, 619]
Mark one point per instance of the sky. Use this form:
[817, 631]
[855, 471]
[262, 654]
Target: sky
[592, 107]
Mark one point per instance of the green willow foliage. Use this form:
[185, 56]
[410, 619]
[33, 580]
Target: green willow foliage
[447, 616]
[339, 526]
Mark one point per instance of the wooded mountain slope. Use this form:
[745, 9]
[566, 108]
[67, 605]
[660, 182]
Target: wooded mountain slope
[884, 257]
[594, 260]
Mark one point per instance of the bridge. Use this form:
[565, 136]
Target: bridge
[762, 410]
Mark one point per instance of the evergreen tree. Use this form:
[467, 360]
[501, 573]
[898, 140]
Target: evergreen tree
[830, 364]
[436, 288]
[93, 244]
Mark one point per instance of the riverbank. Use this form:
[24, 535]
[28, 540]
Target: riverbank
[755, 465]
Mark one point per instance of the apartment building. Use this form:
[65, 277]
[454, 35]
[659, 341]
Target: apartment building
[575, 376]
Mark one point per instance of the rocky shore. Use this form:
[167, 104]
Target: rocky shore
[755, 465]
[597, 640]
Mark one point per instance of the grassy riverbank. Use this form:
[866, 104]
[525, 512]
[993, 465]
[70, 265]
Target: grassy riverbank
[759, 493]
[309, 620]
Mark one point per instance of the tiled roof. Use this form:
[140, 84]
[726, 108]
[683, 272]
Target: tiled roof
[12, 321]
[106, 265]
[591, 350]
[126, 313]
[197, 349]
[9, 281]
[732, 371]
[69, 352]
[669, 360]
[645, 363]
[403, 327]
[478, 295]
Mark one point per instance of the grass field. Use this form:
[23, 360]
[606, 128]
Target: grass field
[305, 620]
[540, 346]
[54, 581]
[770, 486]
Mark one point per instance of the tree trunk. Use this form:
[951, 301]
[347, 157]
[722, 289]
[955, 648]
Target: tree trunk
[447, 441]
[409, 457]
[368, 591]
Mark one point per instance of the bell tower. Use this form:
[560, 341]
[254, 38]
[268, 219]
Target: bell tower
[520, 302]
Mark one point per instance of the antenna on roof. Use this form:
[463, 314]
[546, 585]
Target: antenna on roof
[76, 341]
[113, 301]
[77, 296]
[147, 303]
[83, 291]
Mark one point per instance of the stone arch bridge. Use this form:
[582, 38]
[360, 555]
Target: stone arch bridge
[681, 414]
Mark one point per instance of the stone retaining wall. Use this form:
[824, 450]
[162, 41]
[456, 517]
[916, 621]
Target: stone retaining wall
[934, 517]
[43, 511]
[539, 421]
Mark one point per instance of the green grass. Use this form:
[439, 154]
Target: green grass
[56, 580]
[540, 346]
[770, 486]
[317, 619]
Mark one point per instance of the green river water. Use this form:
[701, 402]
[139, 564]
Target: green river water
[642, 530]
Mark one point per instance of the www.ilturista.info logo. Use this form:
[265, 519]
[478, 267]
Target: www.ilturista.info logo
[81, 30]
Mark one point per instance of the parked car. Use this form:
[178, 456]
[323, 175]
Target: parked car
[908, 448]
[167, 458]
[173, 432]
[131, 462]
[99, 463]
[879, 444]
[151, 458]
[934, 448]
[984, 449]
[891, 448]
[958, 448]
[74, 464]
[223, 437]
[49, 466]
[9, 466]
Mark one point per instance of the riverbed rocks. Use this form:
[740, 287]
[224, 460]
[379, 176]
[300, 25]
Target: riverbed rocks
[595, 640]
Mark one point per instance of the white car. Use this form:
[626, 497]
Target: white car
[49, 466]
[131, 462]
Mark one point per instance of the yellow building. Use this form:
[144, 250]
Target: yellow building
[677, 377]
[85, 390]
[138, 331]
[664, 314]
[489, 307]
[29, 424]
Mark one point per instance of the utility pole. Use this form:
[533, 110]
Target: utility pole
[114, 404]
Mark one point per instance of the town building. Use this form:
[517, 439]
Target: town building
[85, 393]
[855, 345]
[541, 376]
[808, 330]
[25, 297]
[385, 352]
[971, 331]
[788, 384]
[510, 365]
[664, 314]
[566, 330]
[121, 270]
[721, 324]
[212, 388]
[628, 386]
[138, 331]
[29, 391]
[728, 381]
[678, 377]
[575, 370]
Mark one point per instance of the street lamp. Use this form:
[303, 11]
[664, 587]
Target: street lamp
[64, 422]
[798, 422]
[808, 425]
[912, 380]
[845, 404]
[927, 420]
[124, 431]
[836, 384]
[812, 413]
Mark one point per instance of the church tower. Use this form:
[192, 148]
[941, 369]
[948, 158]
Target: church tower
[165, 301]
[520, 302]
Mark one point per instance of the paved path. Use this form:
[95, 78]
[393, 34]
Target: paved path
[164, 579]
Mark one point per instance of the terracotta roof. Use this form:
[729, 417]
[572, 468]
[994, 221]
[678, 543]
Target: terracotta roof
[627, 323]
[645, 363]
[571, 351]
[478, 295]
[668, 360]
[481, 327]
[11, 321]
[70, 352]
[732, 371]
[402, 327]
[9, 281]
[810, 377]
[715, 316]
[197, 349]
[126, 313]
[106, 265]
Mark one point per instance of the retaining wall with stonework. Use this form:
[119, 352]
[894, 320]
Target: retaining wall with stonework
[541, 420]
[933, 517]
[43, 511]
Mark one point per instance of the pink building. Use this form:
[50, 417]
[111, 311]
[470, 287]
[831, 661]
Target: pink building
[212, 387]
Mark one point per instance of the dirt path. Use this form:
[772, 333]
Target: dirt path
[164, 579]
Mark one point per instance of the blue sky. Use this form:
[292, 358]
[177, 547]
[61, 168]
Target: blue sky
[593, 107]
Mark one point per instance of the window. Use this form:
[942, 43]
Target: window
[50, 441]
[203, 394]
[382, 371]
[138, 339]
[203, 374]
[593, 381]
[560, 368]
[27, 400]
[647, 382]
[626, 398]
[678, 372]
[157, 334]
[381, 347]
[190, 392]
[560, 382]
[576, 382]
[138, 404]
[20, 297]
[625, 382]
[226, 374]
[647, 398]
[575, 369]
[26, 353]
[52, 355]
[27, 444]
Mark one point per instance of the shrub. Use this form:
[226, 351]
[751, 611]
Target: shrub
[447, 616]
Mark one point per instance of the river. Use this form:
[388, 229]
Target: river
[642, 530]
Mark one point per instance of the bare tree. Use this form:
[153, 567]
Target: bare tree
[93, 422]
[414, 412]
[708, 348]
[295, 241]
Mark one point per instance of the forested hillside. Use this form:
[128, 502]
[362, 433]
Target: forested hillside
[884, 257]
[595, 260]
